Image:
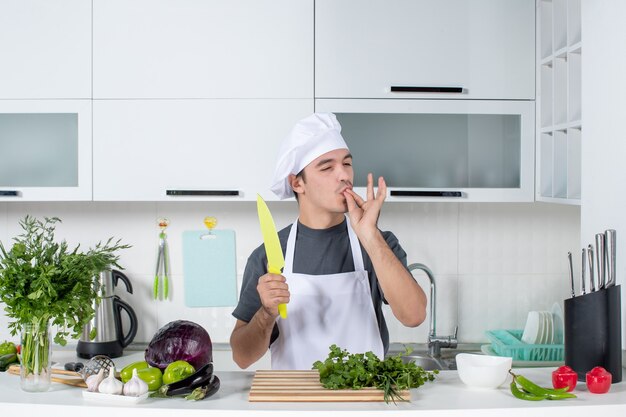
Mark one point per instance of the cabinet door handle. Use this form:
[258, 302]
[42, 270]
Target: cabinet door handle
[9, 193]
[409, 89]
[214, 193]
[401, 193]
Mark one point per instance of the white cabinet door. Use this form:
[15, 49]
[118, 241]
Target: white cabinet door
[484, 47]
[45, 150]
[45, 49]
[203, 49]
[143, 148]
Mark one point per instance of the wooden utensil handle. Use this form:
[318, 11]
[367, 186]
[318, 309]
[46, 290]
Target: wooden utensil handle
[75, 382]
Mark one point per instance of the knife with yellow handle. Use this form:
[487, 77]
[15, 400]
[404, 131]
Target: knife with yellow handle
[273, 250]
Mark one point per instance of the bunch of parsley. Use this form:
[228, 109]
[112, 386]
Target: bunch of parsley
[42, 281]
[341, 370]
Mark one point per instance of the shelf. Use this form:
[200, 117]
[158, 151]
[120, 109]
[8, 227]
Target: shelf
[546, 29]
[571, 202]
[559, 21]
[574, 22]
[576, 48]
[559, 134]
[574, 83]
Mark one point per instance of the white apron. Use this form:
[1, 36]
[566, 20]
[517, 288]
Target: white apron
[325, 310]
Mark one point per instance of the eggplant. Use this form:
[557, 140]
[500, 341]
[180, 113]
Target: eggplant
[205, 391]
[200, 378]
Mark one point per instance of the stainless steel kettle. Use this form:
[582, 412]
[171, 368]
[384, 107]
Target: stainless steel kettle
[104, 335]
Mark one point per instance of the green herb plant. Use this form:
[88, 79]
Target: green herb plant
[342, 370]
[44, 283]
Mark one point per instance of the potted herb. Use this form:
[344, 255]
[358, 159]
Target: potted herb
[44, 283]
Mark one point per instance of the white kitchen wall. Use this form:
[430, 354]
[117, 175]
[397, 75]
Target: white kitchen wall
[492, 262]
[603, 145]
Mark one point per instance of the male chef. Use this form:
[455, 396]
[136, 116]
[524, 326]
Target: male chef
[338, 268]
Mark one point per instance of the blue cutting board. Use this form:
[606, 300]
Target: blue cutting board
[210, 269]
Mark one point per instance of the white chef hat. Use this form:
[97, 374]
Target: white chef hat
[310, 138]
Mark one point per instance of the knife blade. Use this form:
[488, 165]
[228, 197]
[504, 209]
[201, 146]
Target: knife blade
[273, 250]
[592, 284]
[583, 273]
[600, 260]
[571, 272]
[610, 236]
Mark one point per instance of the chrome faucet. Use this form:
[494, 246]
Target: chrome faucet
[435, 343]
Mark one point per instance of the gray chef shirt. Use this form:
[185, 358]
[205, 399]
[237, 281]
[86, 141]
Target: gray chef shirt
[317, 252]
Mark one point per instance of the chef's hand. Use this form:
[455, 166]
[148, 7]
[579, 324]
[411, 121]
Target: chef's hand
[364, 214]
[273, 290]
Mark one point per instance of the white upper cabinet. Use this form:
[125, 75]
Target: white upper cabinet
[483, 48]
[45, 49]
[189, 150]
[203, 49]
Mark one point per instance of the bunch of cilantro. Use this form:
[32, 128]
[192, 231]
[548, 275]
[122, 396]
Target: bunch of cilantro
[341, 370]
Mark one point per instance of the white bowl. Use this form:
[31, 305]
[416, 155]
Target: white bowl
[482, 371]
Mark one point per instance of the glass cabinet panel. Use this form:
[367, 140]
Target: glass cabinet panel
[435, 150]
[39, 150]
[45, 150]
[471, 150]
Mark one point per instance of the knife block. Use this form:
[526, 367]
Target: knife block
[592, 328]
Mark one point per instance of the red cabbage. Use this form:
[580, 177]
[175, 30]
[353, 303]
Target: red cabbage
[180, 340]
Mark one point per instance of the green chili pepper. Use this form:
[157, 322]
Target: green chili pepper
[523, 395]
[533, 392]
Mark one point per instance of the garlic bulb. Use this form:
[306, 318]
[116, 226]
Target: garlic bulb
[110, 385]
[135, 387]
[94, 380]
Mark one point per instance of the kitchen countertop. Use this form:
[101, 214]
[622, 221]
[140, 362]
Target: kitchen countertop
[446, 396]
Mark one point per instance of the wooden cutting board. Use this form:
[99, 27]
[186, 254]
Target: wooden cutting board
[305, 386]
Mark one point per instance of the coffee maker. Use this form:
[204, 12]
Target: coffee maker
[103, 335]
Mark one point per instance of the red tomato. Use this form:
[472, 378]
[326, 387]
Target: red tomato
[599, 380]
[564, 377]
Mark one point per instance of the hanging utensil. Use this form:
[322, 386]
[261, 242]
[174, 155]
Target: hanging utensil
[600, 260]
[163, 262]
[571, 272]
[592, 284]
[610, 236]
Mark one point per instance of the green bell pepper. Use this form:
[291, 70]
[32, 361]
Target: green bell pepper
[177, 371]
[127, 373]
[151, 376]
[7, 347]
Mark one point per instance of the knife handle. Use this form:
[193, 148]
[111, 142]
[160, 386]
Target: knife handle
[282, 310]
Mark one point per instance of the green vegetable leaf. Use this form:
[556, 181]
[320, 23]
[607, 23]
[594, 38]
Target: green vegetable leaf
[343, 370]
[43, 281]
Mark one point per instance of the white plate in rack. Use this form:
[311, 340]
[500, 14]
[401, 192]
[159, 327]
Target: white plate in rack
[112, 398]
[557, 317]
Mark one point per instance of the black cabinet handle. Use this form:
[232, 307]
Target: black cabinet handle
[9, 193]
[409, 89]
[200, 193]
[401, 193]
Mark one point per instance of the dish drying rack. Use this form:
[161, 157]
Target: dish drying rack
[509, 343]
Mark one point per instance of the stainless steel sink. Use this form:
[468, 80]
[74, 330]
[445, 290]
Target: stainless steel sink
[426, 362]
[447, 360]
